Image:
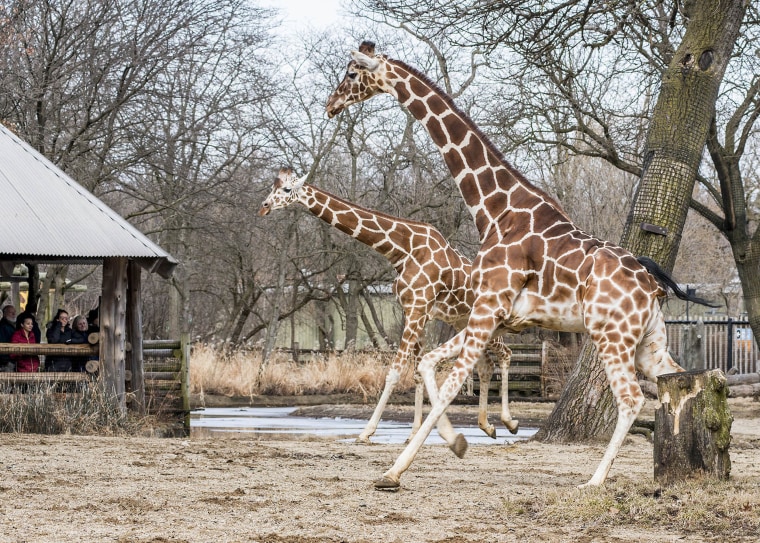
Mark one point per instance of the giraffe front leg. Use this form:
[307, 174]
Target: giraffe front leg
[391, 479]
[408, 349]
[453, 347]
[419, 397]
[390, 382]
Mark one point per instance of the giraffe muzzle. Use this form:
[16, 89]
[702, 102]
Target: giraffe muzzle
[264, 209]
[335, 106]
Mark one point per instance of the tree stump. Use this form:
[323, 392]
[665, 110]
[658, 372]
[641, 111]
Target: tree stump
[692, 427]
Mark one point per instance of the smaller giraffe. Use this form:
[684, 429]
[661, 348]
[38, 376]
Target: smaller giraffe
[433, 282]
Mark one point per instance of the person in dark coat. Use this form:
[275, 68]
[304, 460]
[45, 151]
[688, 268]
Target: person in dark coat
[59, 331]
[7, 329]
[79, 335]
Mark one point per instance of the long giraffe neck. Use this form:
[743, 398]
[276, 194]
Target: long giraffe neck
[490, 186]
[383, 233]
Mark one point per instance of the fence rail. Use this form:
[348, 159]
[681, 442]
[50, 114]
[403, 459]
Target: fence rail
[166, 366]
[724, 344]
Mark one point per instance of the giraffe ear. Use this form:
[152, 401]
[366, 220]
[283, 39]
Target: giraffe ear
[370, 63]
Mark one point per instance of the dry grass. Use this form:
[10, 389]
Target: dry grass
[234, 373]
[43, 409]
[689, 507]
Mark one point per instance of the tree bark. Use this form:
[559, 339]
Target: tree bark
[677, 134]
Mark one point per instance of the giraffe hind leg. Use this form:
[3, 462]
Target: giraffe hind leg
[485, 372]
[629, 399]
[505, 357]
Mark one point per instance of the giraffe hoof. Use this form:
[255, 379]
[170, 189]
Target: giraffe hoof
[512, 426]
[490, 431]
[386, 483]
[459, 446]
[363, 440]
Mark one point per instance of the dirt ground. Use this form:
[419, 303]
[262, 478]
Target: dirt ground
[70, 488]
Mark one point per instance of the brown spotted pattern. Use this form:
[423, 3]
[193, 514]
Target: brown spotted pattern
[534, 268]
[432, 282]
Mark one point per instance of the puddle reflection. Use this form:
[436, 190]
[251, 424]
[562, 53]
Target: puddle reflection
[277, 422]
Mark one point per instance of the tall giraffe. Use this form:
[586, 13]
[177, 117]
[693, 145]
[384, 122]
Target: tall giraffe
[534, 267]
[432, 283]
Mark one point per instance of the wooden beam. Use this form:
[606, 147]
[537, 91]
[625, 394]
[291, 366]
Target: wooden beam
[113, 328]
[134, 327]
[83, 349]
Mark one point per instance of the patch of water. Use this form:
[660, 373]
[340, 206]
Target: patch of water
[276, 422]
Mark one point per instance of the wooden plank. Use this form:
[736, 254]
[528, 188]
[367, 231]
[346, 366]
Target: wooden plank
[163, 375]
[160, 353]
[168, 366]
[44, 377]
[161, 344]
[82, 349]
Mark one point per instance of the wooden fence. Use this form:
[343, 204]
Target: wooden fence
[166, 378]
[527, 371]
[724, 344]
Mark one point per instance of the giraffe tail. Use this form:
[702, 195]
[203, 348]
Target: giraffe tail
[666, 281]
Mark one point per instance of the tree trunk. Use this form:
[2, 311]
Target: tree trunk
[677, 134]
[589, 414]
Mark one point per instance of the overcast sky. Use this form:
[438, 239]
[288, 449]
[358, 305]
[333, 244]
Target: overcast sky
[317, 13]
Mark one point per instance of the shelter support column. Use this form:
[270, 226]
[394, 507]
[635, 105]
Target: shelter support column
[135, 360]
[113, 310]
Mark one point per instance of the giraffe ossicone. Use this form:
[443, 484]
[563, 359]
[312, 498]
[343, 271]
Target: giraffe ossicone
[534, 267]
[432, 282]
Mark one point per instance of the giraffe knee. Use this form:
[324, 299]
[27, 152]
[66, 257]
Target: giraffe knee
[631, 399]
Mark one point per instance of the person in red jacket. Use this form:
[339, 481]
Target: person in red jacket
[25, 334]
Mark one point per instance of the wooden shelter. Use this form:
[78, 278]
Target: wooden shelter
[34, 196]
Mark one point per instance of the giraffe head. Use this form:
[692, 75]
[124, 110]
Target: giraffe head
[365, 77]
[285, 191]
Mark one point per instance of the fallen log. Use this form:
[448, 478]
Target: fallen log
[738, 391]
[742, 379]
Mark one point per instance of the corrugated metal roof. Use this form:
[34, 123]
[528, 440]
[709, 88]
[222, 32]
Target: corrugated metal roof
[39, 204]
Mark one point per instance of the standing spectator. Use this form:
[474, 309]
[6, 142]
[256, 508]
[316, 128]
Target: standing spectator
[7, 329]
[79, 336]
[25, 334]
[59, 331]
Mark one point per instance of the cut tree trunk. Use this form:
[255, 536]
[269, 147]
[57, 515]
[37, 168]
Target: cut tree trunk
[692, 427]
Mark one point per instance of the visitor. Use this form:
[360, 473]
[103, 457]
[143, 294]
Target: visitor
[7, 329]
[25, 334]
[59, 331]
[79, 336]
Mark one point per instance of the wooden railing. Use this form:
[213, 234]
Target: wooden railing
[165, 375]
[166, 378]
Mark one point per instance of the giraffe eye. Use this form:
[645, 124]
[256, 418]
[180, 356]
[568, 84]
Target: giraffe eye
[286, 190]
[352, 75]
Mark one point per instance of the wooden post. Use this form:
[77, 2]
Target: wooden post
[134, 327]
[113, 328]
[693, 357]
[184, 376]
[692, 427]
